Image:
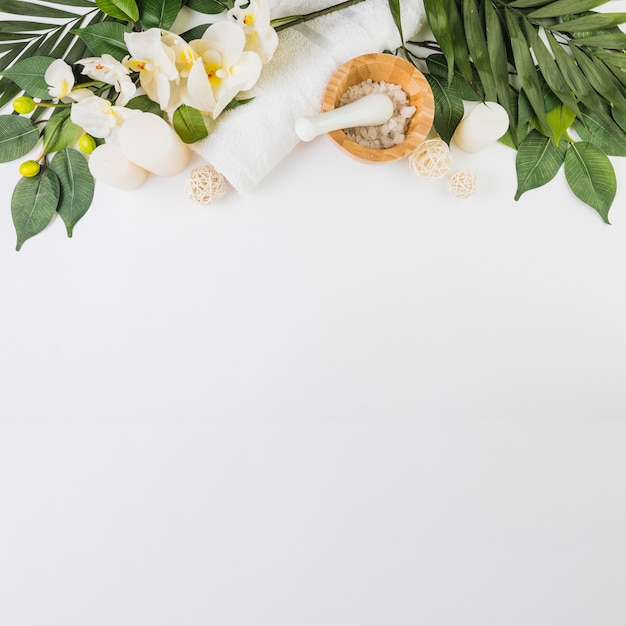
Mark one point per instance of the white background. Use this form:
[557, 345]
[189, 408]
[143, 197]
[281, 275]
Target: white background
[344, 398]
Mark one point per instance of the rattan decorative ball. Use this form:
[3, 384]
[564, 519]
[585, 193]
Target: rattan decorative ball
[431, 159]
[463, 183]
[205, 185]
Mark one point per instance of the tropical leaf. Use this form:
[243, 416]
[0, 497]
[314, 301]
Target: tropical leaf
[29, 75]
[611, 139]
[594, 21]
[448, 108]
[437, 64]
[60, 132]
[394, 9]
[591, 177]
[143, 103]
[76, 186]
[158, 13]
[120, 9]
[620, 118]
[189, 124]
[612, 41]
[565, 7]
[498, 56]
[477, 47]
[440, 25]
[18, 7]
[208, 7]
[461, 54]
[33, 204]
[23, 26]
[194, 33]
[600, 78]
[104, 38]
[18, 136]
[528, 4]
[538, 161]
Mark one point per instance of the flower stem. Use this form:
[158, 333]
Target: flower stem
[280, 23]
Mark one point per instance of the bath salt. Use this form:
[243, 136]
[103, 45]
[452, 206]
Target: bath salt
[390, 133]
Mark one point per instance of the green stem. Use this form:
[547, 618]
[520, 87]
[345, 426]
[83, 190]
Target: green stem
[281, 23]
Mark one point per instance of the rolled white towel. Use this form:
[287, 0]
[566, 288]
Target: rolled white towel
[249, 141]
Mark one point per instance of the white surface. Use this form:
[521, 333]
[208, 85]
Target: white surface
[345, 398]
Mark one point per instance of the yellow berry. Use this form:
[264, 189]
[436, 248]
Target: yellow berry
[29, 168]
[24, 104]
[87, 144]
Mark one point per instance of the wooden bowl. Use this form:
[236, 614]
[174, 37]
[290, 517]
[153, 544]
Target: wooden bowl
[390, 69]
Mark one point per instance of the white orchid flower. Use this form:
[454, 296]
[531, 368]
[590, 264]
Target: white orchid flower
[222, 68]
[184, 56]
[254, 17]
[60, 79]
[156, 65]
[109, 70]
[98, 117]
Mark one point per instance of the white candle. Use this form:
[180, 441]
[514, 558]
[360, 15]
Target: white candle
[151, 143]
[484, 125]
[108, 164]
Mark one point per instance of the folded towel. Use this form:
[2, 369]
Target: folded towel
[249, 141]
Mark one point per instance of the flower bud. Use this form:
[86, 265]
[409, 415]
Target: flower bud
[24, 104]
[29, 168]
[87, 143]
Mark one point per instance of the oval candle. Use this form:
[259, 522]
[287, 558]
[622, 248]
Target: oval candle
[484, 125]
[151, 143]
[108, 164]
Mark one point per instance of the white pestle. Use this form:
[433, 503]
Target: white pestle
[371, 110]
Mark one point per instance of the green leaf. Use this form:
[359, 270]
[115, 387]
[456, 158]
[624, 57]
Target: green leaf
[594, 21]
[526, 70]
[208, 7]
[105, 38]
[615, 42]
[33, 204]
[60, 132]
[18, 136]
[29, 73]
[143, 103]
[394, 9]
[620, 118]
[591, 177]
[189, 124]
[77, 186]
[477, 46]
[448, 108]
[538, 161]
[498, 56]
[194, 33]
[158, 13]
[120, 9]
[18, 7]
[22, 26]
[559, 120]
[440, 25]
[611, 139]
[600, 77]
[438, 65]
[461, 54]
[565, 7]
[526, 4]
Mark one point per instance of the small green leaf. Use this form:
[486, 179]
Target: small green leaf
[120, 9]
[591, 177]
[448, 108]
[477, 46]
[189, 124]
[559, 120]
[394, 9]
[77, 186]
[33, 204]
[105, 38]
[611, 139]
[593, 21]
[538, 161]
[29, 74]
[194, 33]
[440, 25]
[158, 13]
[437, 64]
[18, 136]
[608, 41]
[60, 132]
[208, 7]
[565, 7]
[143, 103]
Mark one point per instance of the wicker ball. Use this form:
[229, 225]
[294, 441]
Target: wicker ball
[463, 183]
[205, 185]
[431, 159]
